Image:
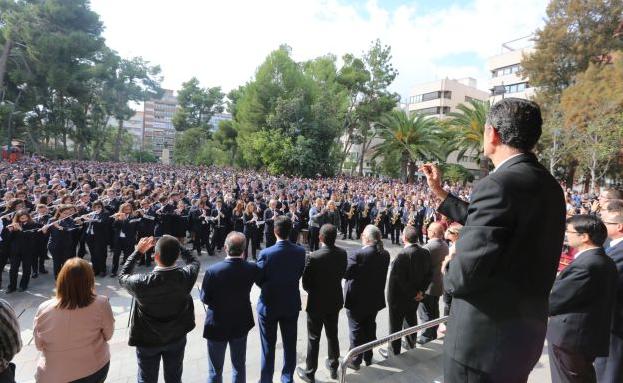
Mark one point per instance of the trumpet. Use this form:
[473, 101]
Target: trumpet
[395, 216]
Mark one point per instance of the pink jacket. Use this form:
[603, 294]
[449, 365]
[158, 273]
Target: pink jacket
[73, 343]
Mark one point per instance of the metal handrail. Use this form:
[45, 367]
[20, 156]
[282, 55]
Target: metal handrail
[391, 337]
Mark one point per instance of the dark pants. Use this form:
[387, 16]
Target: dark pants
[125, 246]
[268, 337]
[8, 375]
[420, 234]
[447, 299]
[352, 225]
[219, 237]
[98, 251]
[314, 240]
[59, 256]
[362, 329]
[202, 238]
[172, 356]
[455, 372]
[216, 359]
[270, 239]
[571, 367]
[315, 322]
[398, 315]
[395, 233]
[25, 260]
[97, 377]
[40, 255]
[253, 240]
[428, 311]
[610, 369]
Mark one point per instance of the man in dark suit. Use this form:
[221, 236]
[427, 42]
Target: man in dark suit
[409, 276]
[507, 254]
[322, 279]
[269, 222]
[366, 274]
[281, 267]
[429, 307]
[610, 369]
[229, 317]
[581, 303]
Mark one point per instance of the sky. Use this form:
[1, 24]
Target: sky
[223, 42]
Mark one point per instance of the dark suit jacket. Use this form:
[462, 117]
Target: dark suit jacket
[616, 253]
[281, 268]
[409, 273]
[506, 262]
[225, 289]
[581, 304]
[269, 218]
[366, 274]
[322, 279]
[438, 249]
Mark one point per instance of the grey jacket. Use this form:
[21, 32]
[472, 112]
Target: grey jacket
[438, 249]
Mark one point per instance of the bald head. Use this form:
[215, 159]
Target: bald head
[435, 230]
[234, 244]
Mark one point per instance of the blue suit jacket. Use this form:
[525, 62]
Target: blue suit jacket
[225, 289]
[281, 267]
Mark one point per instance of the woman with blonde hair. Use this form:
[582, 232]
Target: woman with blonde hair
[72, 330]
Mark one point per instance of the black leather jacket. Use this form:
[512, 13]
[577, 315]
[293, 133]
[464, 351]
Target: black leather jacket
[163, 312]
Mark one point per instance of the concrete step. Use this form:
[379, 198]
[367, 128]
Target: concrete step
[421, 365]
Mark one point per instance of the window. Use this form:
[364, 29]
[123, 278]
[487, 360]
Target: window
[505, 71]
[430, 96]
[514, 88]
[434, 110]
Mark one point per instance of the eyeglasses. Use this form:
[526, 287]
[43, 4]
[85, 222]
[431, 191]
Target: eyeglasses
[612, 223]
[574, 232]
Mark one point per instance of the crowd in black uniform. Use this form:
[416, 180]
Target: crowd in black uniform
[65, 209]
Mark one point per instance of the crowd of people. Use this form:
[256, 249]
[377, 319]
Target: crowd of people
[491, 252]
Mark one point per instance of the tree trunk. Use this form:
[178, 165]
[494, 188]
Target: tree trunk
[4, 58]
[118, 140]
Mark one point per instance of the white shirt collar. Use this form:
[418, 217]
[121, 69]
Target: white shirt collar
[505, 161]
[615, 242]
[584, 251]
[366, 246]
[168, 268]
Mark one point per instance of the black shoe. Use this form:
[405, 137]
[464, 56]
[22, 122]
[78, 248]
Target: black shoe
[9, 290]
[303, 375]
[332, 371]
[422, 340]
[22, 289]
[367, 362]
[343, 238]
[42, 270]
[406, 345]
[384, 353]
[34, 276]
[113, 275]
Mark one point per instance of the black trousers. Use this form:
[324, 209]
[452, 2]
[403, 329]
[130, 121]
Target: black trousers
[447, 299]
[610, 368]
[218, 238]
[398, 316]
[455, 372]
[98, 250]
[352, 225]
[24, 259]
[428, 311]
[315, 322]
[253, 240]
[395, 232]
[59, 255]
[270, 239]
[8, 375]
[4, 259]
[40, 255]
[98, 376]
[570, 367]
[314, 240]
[362, 329]
[420, 234]
[125, 246]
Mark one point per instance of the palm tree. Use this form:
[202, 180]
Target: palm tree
[413, 135]
[468, 124]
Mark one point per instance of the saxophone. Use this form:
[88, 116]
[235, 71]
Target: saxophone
[411, 221]
[395, 216]
[379, 218]
[351, 212]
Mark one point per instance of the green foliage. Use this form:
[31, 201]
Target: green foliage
[456, 173]
[576, 32]
[188, 145]
[197, 105]
[143, 156]
[467, 130]
[225, 137]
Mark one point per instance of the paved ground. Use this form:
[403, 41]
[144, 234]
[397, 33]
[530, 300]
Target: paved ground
[123, 362]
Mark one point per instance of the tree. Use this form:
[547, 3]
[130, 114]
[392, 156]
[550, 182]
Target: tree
[226, 136]
[376, 99]
[468, 125]
[414, 136]
[576, 32]
[197, 105]
[188, 145]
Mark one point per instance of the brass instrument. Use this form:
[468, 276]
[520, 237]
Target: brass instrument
[411, 221]
[351, 212]
[379, 217]
[366, 211]
[396, 216]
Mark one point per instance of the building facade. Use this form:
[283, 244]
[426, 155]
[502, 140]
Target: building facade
[158, 130]
[441, 97]
[506, 79]
[217, 118]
